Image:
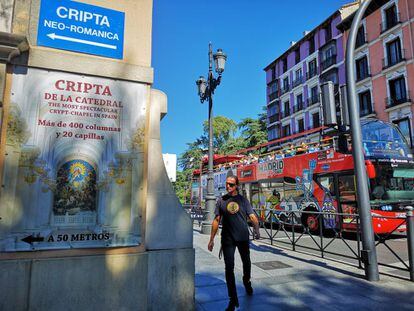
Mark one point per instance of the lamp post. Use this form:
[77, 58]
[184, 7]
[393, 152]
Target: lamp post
[205, 91]
[368, 253]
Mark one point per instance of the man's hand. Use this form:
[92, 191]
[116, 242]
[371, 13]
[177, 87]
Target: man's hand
[211, 245]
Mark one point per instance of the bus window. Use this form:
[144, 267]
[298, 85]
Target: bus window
[346, 185]
[327, 182]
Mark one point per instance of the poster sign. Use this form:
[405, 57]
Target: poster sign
[73, 168]
[80, 27]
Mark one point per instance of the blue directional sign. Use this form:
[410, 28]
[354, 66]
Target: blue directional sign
[80, 27]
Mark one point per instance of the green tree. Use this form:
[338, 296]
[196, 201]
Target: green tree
[223, 130]
[254, 131]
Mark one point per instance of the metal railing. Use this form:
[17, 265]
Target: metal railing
[394, 101]
[391, 61]
[328, 62]
[337, 236]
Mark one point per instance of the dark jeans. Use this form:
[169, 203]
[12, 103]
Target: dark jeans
[229, 248]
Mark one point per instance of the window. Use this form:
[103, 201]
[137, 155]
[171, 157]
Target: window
[365, 105]
[314, 95]
[315, 120]
[360, 39]
[362, 68]
[346, 187]
[273, 71]
[311, 45]
[299, 102]
[328, 57]
[405, 128]
[297, 56]
[328, 33]
[391, 18]
[394, 53]
[285, 85]
[286, 106]
[398, 94]
[286, 130]
[301, 125]
[312, 68]
[274, 132]
[298, 78]
[284, 64]
[298, 74]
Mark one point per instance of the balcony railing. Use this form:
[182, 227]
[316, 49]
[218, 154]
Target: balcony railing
[297, 82]
[274, 118]
[312, 100]
[297, 107]
[284, 90]
[388, 24]
[328, 62]
[394, 101]
[311, 73]
[361, 40]
[389, 62]
[363, 75]
[272, 96]
[366, 111]
[286, 113]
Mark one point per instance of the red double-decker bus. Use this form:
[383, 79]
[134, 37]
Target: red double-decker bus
[314, 178]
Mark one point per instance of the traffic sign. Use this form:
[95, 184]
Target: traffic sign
[80, 27]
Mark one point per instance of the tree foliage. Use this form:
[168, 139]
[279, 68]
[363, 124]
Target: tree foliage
[252, 132]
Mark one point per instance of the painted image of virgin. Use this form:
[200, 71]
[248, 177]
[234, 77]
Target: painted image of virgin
[75, 188]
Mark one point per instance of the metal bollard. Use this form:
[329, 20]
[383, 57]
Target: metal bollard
[410, 240]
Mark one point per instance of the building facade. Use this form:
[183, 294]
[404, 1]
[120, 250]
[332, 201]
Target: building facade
[293, 80]
[384, 62]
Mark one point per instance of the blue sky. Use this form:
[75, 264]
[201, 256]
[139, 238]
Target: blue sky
[251, 33]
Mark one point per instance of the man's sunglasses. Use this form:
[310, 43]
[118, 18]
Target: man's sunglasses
[230, 184]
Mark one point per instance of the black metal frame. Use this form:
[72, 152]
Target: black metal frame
[281, 224]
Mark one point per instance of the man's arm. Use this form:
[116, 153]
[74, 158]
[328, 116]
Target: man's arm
[214, 228]
[255, 222]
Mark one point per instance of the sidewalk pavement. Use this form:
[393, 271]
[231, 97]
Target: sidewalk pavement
[287, 280]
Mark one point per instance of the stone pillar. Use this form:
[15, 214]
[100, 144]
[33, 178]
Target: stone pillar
[154, 268]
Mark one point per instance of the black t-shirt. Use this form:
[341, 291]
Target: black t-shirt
[234, 211]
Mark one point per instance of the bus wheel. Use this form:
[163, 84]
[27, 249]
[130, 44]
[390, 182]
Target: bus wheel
[311, 221]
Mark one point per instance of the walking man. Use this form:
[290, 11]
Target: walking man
[233, 209]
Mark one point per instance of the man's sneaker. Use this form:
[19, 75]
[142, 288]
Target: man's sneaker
[248, 287]
[233, 304]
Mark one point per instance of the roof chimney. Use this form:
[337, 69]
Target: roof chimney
[292, 43]
[306, 32]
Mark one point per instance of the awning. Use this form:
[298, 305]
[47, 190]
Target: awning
[404, 173]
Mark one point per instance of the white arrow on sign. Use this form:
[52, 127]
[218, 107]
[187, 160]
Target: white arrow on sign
[54, 36]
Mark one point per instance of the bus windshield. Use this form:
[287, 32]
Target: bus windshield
[393, 184]
[383, 140]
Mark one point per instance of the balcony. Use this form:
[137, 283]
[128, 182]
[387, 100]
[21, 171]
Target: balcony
[274, 118]
[389, 62]
[363, 75]
[390, 23]
[310, 74]
[286, 113]
[284, 90]
[366, 111]
[313, 100]
[272, 96]
[328, 62]
[298, 107]
[297, 82]
[361, 40]
[394, 101]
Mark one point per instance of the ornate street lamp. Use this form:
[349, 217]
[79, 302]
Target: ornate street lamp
[205, 91]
